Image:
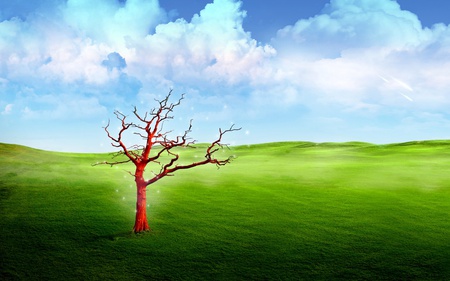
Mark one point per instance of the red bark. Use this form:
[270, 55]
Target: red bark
[141, 222]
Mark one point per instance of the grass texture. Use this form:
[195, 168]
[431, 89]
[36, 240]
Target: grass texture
[280, 211]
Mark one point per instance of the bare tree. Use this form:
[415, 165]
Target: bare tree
[149, 126]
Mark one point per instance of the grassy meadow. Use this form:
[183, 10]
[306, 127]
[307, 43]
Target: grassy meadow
[280, 211]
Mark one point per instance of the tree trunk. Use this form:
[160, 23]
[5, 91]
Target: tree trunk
[141, 223]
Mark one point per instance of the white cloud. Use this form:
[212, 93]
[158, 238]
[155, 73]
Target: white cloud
[355, 24]
[337, 56]
[113, 23]
[62, 107]
[76, 60]
[8, 109]
[212, 47]
[72, 47]
[42, 49]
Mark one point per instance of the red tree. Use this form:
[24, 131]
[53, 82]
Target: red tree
[149, 126]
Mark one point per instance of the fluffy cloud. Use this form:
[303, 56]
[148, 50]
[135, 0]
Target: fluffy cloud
[39, 48]
[339, 55]
[8, 109]
[356, 24]
[212, 47]
[72, 44]
[114, 23]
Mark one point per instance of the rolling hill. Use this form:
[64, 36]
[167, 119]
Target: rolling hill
[279, 211]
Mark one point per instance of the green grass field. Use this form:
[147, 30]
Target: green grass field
[280, 211]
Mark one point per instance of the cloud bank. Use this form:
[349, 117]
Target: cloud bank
[364, 59]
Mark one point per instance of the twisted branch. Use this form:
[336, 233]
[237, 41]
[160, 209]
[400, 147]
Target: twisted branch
[150, 128]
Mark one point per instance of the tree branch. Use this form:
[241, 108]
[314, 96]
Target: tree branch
[166, 170]
[111, 163]
[117, 142]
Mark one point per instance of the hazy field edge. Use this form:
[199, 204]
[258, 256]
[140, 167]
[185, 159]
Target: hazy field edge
[10, 147]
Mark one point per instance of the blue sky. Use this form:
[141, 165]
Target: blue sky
[314, 70]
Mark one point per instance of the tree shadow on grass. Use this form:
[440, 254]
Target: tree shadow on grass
[124, 235]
